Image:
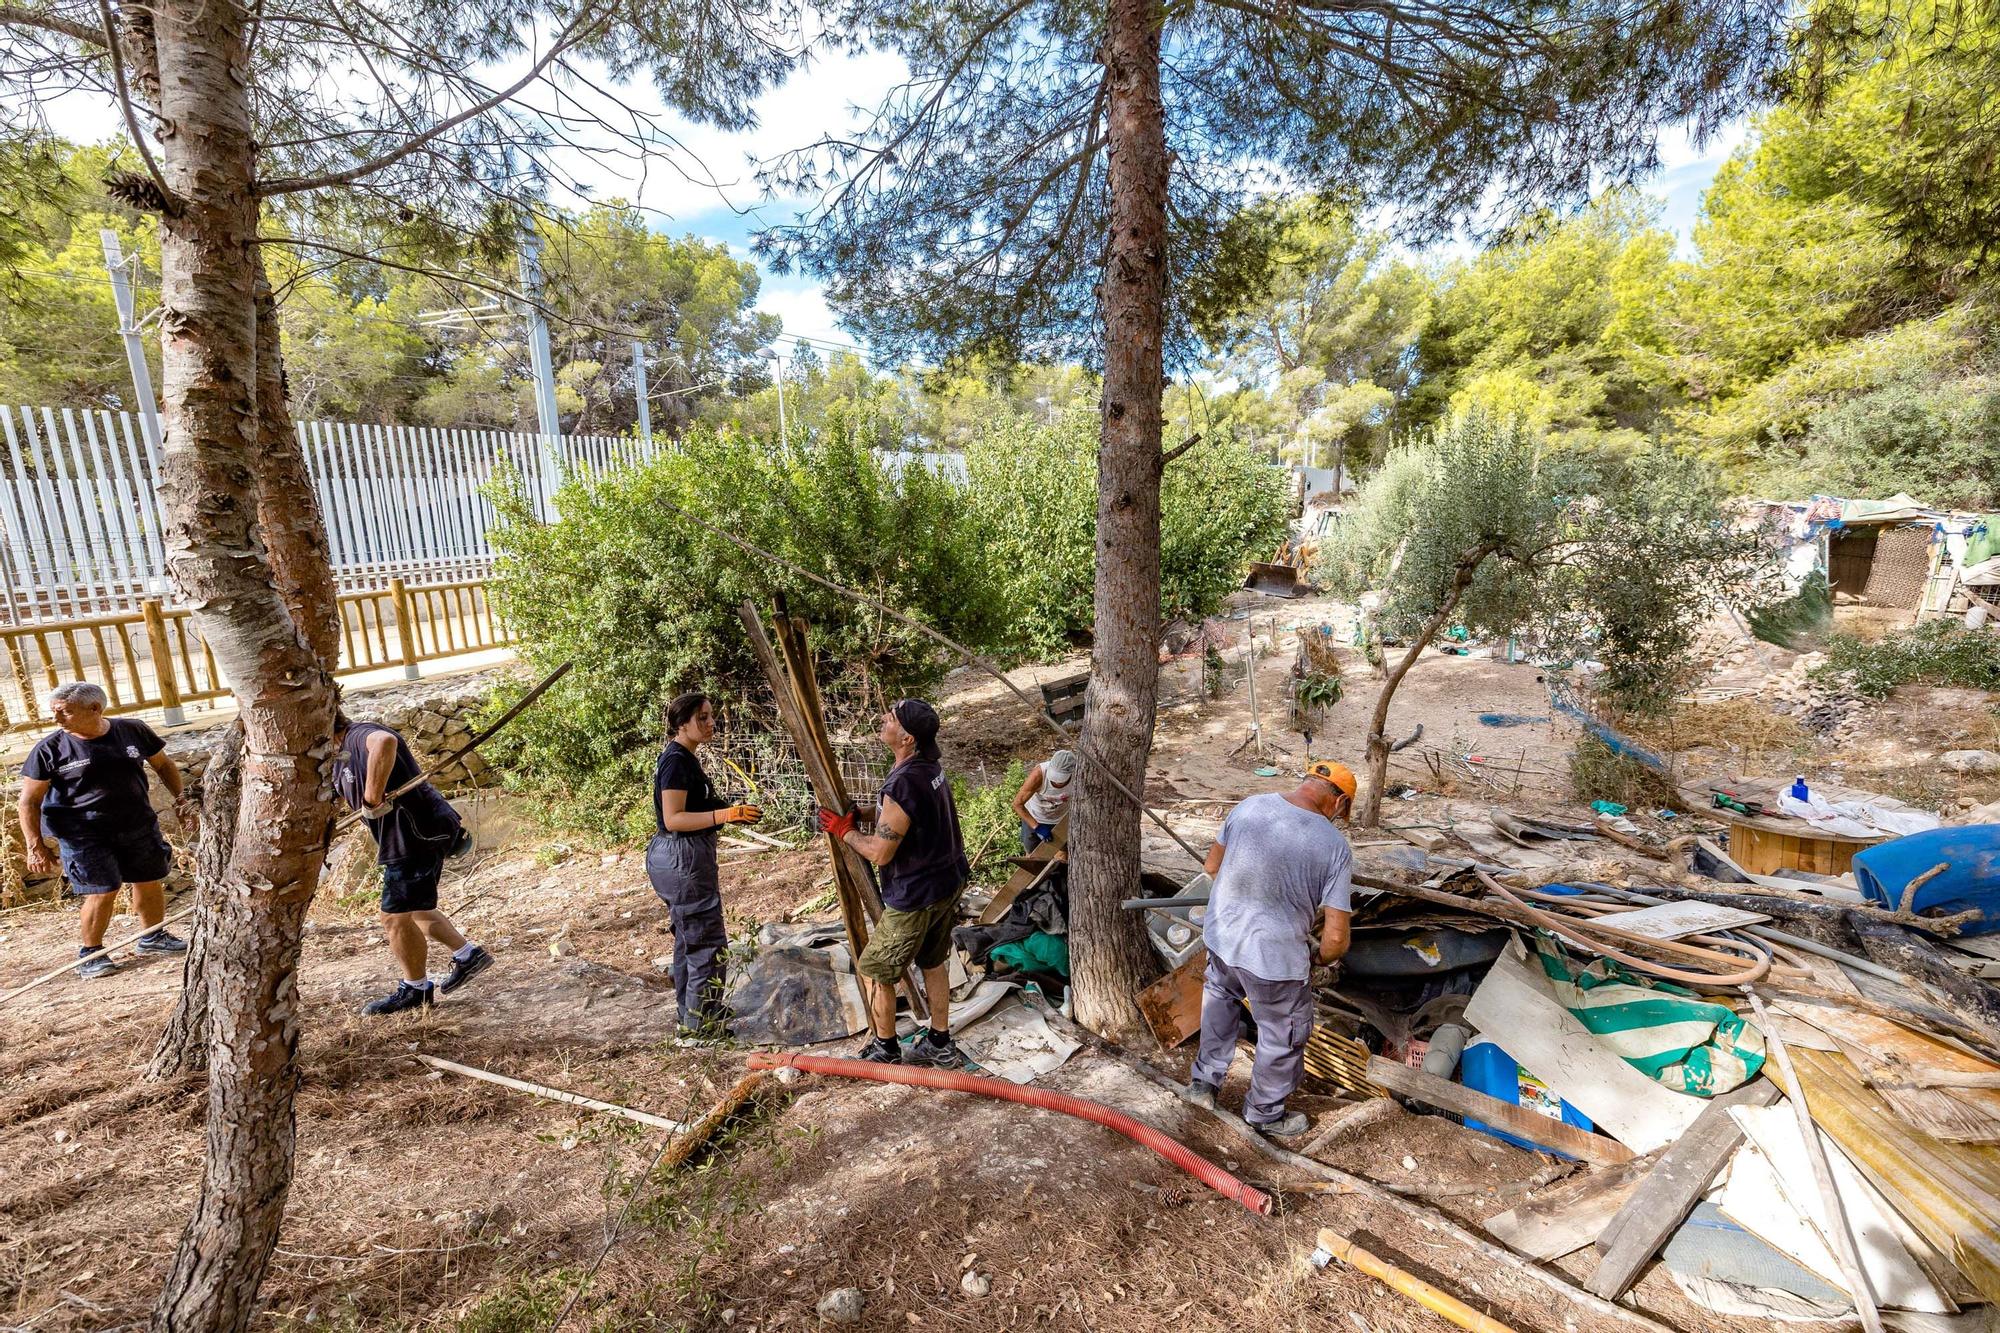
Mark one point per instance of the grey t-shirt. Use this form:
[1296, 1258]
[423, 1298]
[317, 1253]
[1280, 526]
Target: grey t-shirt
[1280, 865]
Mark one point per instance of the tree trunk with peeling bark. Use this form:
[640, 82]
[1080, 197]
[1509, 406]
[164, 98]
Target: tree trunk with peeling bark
[183, 1045]
[285, 699]
[1110, 955]
[293, 532]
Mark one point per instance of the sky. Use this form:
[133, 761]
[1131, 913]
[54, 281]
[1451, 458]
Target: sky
[706, 187]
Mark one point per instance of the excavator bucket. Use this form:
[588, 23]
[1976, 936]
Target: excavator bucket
[1273, 580]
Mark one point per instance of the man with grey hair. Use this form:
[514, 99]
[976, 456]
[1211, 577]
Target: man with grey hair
[85, 785]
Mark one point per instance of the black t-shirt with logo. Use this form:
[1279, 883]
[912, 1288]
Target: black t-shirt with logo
[679, 770]
[421, 826]
[930, 865]
[97, 785]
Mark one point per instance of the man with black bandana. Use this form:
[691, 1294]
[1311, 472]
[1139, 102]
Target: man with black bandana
[921, 853]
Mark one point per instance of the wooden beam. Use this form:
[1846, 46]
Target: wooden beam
[1670, 1191]
[826, 786]
[1517, 1120]
[797, 696]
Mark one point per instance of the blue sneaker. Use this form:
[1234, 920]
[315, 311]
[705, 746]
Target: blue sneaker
[159, 941]
[404, 997]
[96, 964]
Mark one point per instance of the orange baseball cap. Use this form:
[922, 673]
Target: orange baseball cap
[1340, 775]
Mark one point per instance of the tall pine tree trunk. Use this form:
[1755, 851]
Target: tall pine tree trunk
[1110, 956]
[209, 274]
[183, 1045]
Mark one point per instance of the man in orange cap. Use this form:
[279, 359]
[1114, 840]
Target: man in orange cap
[1282, 873]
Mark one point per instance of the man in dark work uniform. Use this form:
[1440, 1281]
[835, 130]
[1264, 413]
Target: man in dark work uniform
[85, 782]
[413, 835]
[921, 853]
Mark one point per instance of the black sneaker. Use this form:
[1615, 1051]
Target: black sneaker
[159, 941]
[98, 964]
[462, 972]
[1201, 1094]
[881, 1051]
[938, 1050]
[405, 996]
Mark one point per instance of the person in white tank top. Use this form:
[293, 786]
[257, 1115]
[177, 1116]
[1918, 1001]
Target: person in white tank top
[1043, 801]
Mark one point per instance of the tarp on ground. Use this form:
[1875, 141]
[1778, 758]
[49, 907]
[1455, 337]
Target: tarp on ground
[1665, 1032]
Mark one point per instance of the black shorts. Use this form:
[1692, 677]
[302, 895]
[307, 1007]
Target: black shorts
[411, 885]
[101, 864]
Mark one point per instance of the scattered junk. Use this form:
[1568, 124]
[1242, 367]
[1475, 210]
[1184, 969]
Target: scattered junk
[1894, 555]
[1756, 1046]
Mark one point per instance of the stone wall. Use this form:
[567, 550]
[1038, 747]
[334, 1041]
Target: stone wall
[435, 717]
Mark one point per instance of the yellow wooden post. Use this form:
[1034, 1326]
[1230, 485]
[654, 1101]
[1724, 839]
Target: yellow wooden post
[406, 628]
[163, 662]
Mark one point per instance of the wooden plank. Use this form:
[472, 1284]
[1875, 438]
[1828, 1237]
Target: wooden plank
[826, 784]
[1569, 1215]
[1172, 1005]
[1671, 1189]
[1024, 875]
[1530, 1125]
[1516, 1007]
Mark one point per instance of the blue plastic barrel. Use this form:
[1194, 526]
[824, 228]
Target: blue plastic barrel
[1488, 1069]
[1970, 854]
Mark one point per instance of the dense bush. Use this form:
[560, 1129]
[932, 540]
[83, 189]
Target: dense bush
[1034, 498]
[1934, 652]
[988, 823]
[646, 603]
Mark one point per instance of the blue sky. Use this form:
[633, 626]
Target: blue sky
[796, 114]
[703, 184]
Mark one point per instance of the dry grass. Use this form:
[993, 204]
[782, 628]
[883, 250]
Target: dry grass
[1746, 725]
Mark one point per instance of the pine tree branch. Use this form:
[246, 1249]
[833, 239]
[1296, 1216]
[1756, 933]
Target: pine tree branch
[170, 203]
[585, 25]
[12, 16]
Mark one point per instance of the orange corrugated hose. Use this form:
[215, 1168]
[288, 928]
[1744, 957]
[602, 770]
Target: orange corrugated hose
[952, 1080]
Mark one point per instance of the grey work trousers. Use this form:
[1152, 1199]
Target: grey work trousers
[1284, 1014]
[684, 874]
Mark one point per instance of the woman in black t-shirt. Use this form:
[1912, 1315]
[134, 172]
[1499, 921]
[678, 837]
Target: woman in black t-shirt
[680, 861]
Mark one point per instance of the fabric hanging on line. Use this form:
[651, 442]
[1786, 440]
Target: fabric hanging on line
[1667, 1033]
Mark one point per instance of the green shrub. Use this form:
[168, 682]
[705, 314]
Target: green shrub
[645, 603]
[987, 812]
[1034, 500]
[1934, 652]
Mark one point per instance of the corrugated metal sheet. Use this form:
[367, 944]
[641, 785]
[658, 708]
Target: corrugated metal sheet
[1948, 1192]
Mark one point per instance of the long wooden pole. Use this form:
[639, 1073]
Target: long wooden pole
[74, 963]
[555, 1094]
[437, 766]
[860, 906]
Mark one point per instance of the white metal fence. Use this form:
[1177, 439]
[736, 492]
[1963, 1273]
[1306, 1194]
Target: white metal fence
[80, 529]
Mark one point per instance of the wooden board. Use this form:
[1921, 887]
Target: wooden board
[1672, 921]
[1950, 1193]
[1764, 851]
[1172, 1005]
[1669, 1193]
[1906, 1070]
[1515, 1007]
[1026, 868]
[1530, 1125]
[1569, 1215]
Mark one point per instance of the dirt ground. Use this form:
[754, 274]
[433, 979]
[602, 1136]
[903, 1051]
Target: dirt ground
[426, 1200]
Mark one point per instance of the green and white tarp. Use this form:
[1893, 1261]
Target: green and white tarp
[1671, 1035]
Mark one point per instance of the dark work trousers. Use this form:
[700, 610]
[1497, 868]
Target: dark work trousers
[683, 871]
[1284, 1014]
